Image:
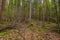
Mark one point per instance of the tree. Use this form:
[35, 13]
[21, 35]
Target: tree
[18, 10]
[46, 2]
[30, 10]
[58, 13]
[2, 10]
[40, 7]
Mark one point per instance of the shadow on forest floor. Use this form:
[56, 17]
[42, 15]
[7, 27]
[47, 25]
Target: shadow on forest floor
[55, 29]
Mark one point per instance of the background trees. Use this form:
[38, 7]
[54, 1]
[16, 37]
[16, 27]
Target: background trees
[23, 10]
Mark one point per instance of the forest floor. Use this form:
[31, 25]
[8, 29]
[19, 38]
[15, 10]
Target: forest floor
[34, 31]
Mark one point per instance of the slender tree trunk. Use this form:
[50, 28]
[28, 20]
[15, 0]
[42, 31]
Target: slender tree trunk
[59, 13]
[47, 10]
[43, 15]
[30, 11]
[40, 9]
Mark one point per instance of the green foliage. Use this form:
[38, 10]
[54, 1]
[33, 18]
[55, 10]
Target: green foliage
[39, 6]
[7, 37]
[43, 27]
[2, 33]
[6, 8]
[30, 26]
[2, 24]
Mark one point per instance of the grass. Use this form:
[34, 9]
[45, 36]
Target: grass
[2, 33]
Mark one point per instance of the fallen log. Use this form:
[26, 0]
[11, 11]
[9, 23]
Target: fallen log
[7, 26]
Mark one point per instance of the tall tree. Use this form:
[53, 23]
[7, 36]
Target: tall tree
[2, 9]
[54, 8]
[30, 10]
[59, 13]
[18, 9]
[46, 10]
[40, 9]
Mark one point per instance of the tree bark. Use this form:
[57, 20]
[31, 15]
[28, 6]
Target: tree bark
[2, 10]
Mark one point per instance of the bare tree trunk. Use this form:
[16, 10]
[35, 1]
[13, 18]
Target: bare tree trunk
[18, 10]
[2, 10]
[43, 15]
[47, 10]
[30, 11]
[58, 13]
[40, 9]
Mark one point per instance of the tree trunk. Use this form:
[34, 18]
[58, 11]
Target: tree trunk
[30, 11]
[2, 10]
